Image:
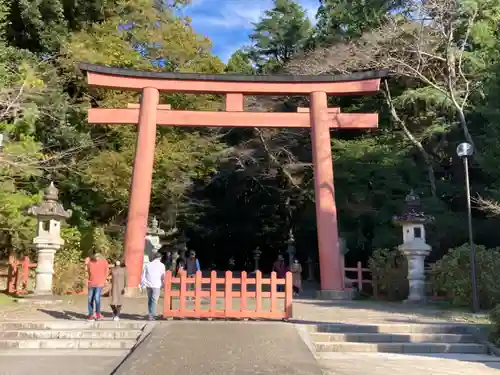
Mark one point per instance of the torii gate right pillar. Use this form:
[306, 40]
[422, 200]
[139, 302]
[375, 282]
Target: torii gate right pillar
[331, 269]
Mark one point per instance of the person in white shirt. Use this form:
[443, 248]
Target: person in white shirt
[152, 279]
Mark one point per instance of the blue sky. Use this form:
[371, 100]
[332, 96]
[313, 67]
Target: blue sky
[228, 22]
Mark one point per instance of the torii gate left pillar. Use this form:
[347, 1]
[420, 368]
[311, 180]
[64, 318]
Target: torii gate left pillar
[320, 119]
[140, 189]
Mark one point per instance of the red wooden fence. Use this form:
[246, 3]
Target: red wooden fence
[360, 280]
[17, 279]
[184, 288]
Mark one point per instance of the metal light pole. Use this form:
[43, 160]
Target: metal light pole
[464, 151]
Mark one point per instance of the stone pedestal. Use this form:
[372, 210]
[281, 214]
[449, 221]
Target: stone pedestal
[45, 266]
[256, 258]
[416, 252]
[336, 295]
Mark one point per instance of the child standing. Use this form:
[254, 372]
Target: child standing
[118, 284]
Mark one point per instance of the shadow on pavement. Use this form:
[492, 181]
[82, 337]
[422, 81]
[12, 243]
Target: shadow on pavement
[72, 315]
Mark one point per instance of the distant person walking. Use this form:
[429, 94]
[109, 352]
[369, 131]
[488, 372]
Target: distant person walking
[279, 267]
[152, 279]
[180, 266]
[118, 284]
[296, 270]
[192, 264]
[98, 270]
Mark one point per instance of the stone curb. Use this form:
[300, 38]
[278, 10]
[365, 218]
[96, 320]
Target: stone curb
[146, 333]
[479, 335]
[303, 331]
[492, 349]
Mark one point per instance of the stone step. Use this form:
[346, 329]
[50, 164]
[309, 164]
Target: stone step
[109, 334]
[392, 337]
[408, 348]
[396, 328]
[69, 324]
[480, 358]
[67, 344]
[121, 353]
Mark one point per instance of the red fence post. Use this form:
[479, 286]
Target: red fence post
[274, 291]
[12, 278]
[182, 292]
[25, 274]
[213, 291]
[167, 299]
[288, 295]
[243, 301]
[228, 293]
[258, 292]
[197, 293]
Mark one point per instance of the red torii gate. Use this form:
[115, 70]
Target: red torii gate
[319, 117]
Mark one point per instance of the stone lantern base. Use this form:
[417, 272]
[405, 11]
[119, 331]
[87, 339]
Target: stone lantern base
[336, 295]
[416, 252]
[39, 299]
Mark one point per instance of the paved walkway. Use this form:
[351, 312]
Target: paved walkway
[222, 348]
[366, 312]
[256, 348]
[306, 310]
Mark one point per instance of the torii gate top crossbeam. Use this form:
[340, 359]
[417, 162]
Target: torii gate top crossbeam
[126, 79]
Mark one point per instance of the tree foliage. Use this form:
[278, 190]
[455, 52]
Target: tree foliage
[230, 191]
[280, 33]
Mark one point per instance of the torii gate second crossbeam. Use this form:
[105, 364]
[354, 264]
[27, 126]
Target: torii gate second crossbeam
[319, 117]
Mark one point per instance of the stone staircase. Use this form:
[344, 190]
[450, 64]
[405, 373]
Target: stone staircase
[463, 342]
[75, 337]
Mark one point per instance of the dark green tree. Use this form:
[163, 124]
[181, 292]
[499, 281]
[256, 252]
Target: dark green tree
[240, 62]
[341, 19]
[280, 33]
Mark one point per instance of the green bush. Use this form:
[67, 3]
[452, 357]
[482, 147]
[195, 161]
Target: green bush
[97, 240]
[452, 275]
[495, 325]
[389, 270]
[69, 267]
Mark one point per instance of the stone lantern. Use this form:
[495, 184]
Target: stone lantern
[153, 240]
[291, 247]
[256, 256]
[414, 247]
[49, 214]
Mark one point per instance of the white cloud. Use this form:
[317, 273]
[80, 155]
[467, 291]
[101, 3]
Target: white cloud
[233, 19]
[238, 13]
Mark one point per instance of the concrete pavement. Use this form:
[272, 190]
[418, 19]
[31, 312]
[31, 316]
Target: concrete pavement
[222, 348]
[401, 364]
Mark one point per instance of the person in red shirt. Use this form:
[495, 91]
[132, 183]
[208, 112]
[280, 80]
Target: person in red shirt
[98, 269]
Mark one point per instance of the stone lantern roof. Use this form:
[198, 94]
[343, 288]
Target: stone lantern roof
[413, 211]
[154, 229]
[50, 206]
